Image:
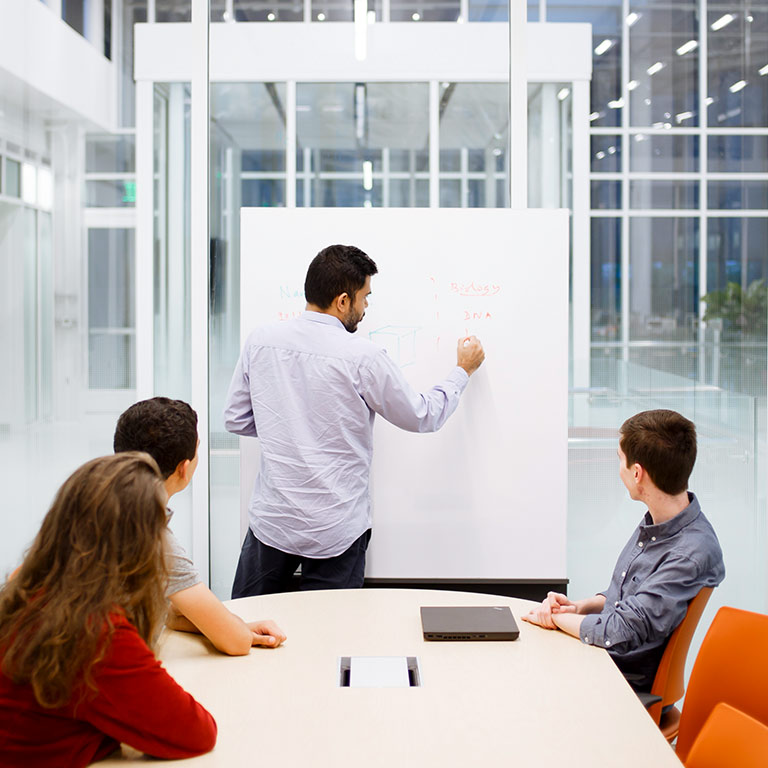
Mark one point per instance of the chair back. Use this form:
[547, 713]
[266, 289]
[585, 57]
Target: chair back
[730, 739]
[669, 682]
[731, 668]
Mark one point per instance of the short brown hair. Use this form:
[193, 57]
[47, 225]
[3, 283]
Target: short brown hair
[663, 443]
[335, 270]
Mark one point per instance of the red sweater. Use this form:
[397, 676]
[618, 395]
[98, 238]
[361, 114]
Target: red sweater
[137, 702]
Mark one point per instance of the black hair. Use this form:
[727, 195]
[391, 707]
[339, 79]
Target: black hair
[335, 270]
[165, 429]
[663, 443]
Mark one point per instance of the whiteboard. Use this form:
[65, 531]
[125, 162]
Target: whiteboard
[485, 497]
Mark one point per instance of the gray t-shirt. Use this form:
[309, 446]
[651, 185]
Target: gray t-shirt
[182, 573]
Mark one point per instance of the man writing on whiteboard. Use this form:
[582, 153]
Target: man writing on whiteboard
[671, 555]
[309, 389]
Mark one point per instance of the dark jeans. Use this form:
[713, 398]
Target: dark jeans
[264, 570]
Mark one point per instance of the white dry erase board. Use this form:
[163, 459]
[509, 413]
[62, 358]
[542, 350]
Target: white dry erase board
[485, 497]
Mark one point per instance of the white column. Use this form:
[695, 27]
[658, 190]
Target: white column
[581, 246]
[199, 232]
[145, 299]
[518, 105]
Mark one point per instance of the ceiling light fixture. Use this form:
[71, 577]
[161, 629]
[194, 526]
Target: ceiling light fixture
[723, 21]
[654, 68]
[738, 86]
[563, 94]
[632, 18]
[632, 84]
[603, 47]
[691, 45]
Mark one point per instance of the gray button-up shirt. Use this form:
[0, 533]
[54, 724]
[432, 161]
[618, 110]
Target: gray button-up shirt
[661, 569]
[309, 391]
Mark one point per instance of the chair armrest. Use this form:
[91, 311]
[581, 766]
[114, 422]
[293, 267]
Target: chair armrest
[648, 699]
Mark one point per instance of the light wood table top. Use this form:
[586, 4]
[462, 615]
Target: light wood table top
[542, 700]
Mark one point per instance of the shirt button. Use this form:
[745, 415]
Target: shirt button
[616, 603]
[639, 543]
[607, 643]
[585, 639]
[623, 574]
[653, 538]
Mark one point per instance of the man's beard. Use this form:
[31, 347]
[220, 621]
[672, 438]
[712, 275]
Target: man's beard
[352, 320]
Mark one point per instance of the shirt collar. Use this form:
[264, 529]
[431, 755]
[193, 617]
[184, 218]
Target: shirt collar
[677, 523]
[321, 317]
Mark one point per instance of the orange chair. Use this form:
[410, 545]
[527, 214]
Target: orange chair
[730, 739]
[731, 668]
[669, 683]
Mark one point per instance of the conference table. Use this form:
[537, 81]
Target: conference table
[544, 699]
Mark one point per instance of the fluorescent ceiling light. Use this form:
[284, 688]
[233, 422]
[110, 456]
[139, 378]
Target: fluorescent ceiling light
[603, 47]
[361, 29]
[709, 100]
[654, 68]
[763, 70]
[616, 104]
[563, 94]
[271, 16]
[303, 108]
[333, 108]
[691, 45]
[321, 16]
[367, 175]
[639, 137]
[736, 87]
[723, 21]
[632, 18]
[611, 150]
[593, 116]
[632, 84]
[367, 204]
[600, 155]
[683, 116]
[416, 16]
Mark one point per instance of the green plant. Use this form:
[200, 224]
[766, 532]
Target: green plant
[742, 312]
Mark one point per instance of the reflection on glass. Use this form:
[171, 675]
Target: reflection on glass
[268, 10]
[104, 153]
[413, 10]
[664, 63]
[738, 194]
[606, 279]
[173, 10]
[362, 144]
[113, 193]
[343, 10]
[737, 48]
[606, 20]
[651, 152]
[664, 281]
[474, 126]
[605, 154]
[172, 252]
[677, 195]
[549, 145]
[605, 195]
[735, 154]
[498, 10]
[736, 252]
[111, 309]
[12, 178]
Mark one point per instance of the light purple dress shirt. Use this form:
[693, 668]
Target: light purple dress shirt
[309, 390]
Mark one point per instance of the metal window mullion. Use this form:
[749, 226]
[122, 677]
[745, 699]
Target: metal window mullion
[434, 144]
[290, 144]
[703, 200]
[625, 166]
[199, 279]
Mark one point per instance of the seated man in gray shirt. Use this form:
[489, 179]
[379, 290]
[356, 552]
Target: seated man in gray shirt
[167, 430]
[671, 555]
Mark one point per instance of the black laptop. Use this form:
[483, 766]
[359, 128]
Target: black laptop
[473, 622]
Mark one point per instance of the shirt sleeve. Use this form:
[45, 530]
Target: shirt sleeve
[386, 392]
[140, 704]
[182, 573]
[650, 614]
[238, 411]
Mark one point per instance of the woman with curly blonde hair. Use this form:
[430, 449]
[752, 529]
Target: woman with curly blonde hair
[77, 623]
